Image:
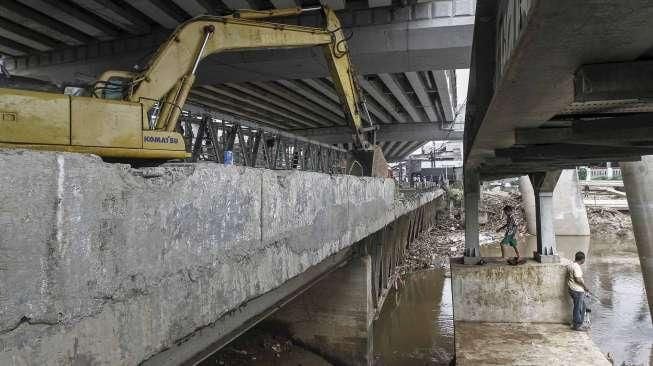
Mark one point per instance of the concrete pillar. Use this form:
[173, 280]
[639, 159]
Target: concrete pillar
[608, 170]
[471, 186]
[569, 215]
[638, 181]
[543, 186]
[528, 203]
[334, 317]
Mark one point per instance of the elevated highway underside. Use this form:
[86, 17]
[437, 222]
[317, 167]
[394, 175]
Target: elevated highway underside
[565, 76]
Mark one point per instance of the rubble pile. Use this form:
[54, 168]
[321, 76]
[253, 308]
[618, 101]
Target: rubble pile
[434, 246]
[607, 222]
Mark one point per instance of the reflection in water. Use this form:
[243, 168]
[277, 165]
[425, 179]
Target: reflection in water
[416, 324]
[621, 322]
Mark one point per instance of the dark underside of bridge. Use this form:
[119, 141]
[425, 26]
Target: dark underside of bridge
[557, 84]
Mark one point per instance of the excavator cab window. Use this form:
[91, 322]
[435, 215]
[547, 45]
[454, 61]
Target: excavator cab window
[116, 88]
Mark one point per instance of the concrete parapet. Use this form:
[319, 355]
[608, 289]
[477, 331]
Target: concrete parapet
[499, 293]
[104, 264]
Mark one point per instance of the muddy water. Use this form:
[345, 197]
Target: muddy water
[416, 324]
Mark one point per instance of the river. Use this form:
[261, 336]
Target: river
[415, 326]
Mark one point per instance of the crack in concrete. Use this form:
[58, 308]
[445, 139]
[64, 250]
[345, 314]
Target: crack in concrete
[29, 321]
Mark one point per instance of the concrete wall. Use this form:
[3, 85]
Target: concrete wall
[500, 293]
[103, 264]
[334, 317]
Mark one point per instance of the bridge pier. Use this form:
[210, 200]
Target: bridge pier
[638, 181]
[543, 186]
[569, 216]
[334, 317]
[471, 186]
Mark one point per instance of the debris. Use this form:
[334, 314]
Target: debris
[446, 239]
[608, 222]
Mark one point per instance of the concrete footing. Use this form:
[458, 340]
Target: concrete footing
[334, 318]
[638, 181]
[516, 315]
[497, 292]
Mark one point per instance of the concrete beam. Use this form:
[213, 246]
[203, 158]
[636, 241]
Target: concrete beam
[378, 3]
[41, 23]
[382, 99]
[444, 92]
[563, 151]
[262, 105]
[192, 7]
[399, 94]
[27, 36]
[439, 43]
[604, 131]
[297, 87]
[334, 4]
[76, 17]
[425, 99]
[386, 132]
[273, 99]
[159, 11]
[16, 48]
[282, 4]
[231, 105]
[311, 101]
[122, 17]
[237, 4]
[614, 81]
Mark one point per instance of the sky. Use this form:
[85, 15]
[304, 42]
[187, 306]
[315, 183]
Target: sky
[462, 82]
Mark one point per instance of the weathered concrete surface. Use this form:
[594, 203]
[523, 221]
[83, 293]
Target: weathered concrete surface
[638, 181]
[498, 292]
[569, 216]
[102, 264]
[525, 344]
[334, 317]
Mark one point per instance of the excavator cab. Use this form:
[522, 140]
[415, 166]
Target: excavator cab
[135, 115]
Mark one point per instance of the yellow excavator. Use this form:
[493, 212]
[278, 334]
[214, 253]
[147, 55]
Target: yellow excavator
[134, 115]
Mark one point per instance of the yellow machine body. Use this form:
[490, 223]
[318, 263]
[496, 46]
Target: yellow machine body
[109, 128]
[121, 129]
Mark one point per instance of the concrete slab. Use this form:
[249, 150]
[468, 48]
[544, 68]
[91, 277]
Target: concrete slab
[498, 292]
[524, 344]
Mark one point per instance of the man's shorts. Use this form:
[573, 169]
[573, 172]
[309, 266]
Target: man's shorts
[509, 240]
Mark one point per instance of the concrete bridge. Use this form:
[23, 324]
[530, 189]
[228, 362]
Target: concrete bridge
[105, 264]
[554, 85]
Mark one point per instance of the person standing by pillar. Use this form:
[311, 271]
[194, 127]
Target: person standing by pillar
[511, 233]
[577, 290]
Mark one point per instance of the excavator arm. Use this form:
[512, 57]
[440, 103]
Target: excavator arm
[169, 76]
